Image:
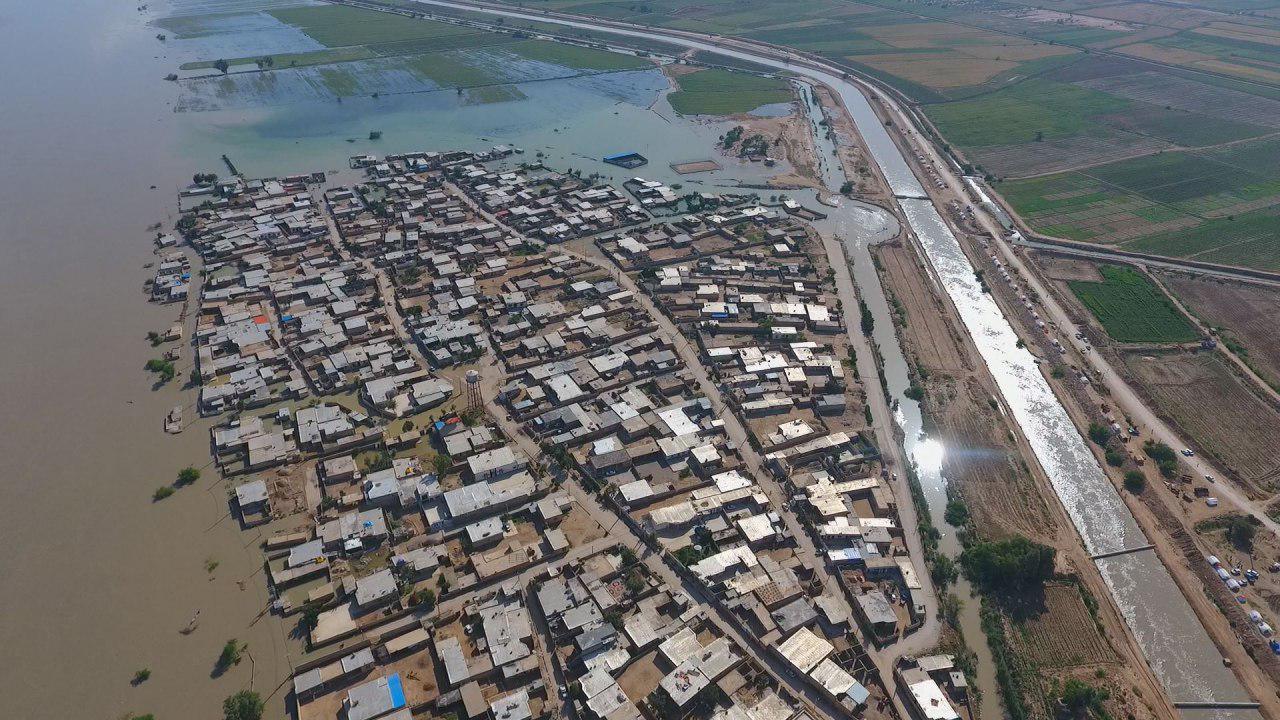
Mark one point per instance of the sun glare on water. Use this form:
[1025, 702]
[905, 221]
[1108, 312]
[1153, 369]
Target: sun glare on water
[928, 455]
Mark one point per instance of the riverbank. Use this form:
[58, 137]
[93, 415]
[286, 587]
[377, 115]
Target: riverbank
[1171, 532]
[997, 490]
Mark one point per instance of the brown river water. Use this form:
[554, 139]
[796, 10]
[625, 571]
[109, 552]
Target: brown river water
[96, 580]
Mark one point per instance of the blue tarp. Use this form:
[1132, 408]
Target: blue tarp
[397, 692]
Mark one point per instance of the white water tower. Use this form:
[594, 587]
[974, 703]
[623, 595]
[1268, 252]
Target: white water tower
[474, 401]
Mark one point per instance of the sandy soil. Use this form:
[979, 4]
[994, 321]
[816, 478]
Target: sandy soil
[854, 159]
[789, 141]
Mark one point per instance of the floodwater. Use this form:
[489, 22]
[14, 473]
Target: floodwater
[97, 580]
[1175, 644]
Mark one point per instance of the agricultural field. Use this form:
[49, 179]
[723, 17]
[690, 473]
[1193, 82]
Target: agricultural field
[1218, 205]
[721, 92]
[1132, 309]
[1000, 494]
[326, 52]
[1222, 50]
[341, 26]
[1243, 315]
[1244, 240]
[1064, 634]
[1203, 399]
[493, 94]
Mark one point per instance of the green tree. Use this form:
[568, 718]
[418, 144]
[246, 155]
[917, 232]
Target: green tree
[1082, 699]
[222, 65]
[1135, 482]
[957, 513]
[1241, 531]
[244, 705]
[1114, 458]
[627, 554]
[161, 493]
[442, 463]
[310, 616]
[1011, 565]
[1163, 455]
[634, 582]
[943, 571]
[868, 320]
[426, 597]
[188, 475]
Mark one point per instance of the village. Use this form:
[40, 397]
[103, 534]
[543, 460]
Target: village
[527, 445]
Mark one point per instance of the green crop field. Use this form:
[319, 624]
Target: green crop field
[1016, 115]
[450, 70]
[720, 92]
[1132, 309]
[493, 94]
[576, 57]
[1247, 240]
[340, 25]
[1218, 205]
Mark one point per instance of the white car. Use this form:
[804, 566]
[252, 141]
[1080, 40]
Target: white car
[1188, 452]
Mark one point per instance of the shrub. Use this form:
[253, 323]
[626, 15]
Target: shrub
[1164, 456]
[230, 654]
[161, 493]
[244, 705]
[1135, 482]
[1099, 434]
[141, 676]
[1081, 698]
[1115, 458]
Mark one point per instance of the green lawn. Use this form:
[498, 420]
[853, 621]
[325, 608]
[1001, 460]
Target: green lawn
[721, 92]
[1132, 309]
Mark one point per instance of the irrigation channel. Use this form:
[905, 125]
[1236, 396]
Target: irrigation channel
[1176, 645]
